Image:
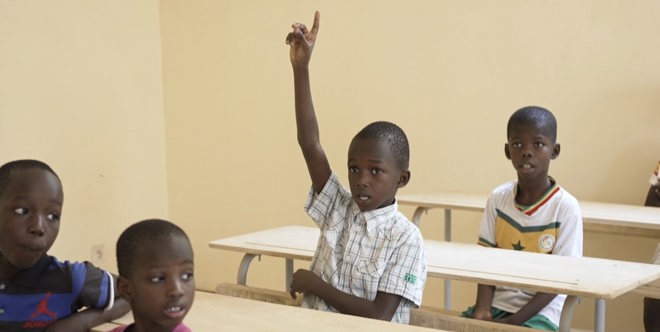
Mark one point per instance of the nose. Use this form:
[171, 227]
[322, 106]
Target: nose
[527, 151]
[36, 225]
[362, 179]
[175, 288]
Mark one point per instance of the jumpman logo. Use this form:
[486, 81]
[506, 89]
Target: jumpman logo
[42, 308]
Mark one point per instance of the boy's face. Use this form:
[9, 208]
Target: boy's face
[530, 150]
[373, 174]
[30, 210]
[161, 287]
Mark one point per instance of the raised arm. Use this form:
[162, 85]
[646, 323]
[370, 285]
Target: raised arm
[301, 42]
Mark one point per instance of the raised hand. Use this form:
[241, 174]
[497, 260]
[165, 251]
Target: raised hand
[301, 41]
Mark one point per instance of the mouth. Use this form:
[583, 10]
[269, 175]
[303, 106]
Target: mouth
[175, 312]
[526, 166]
[362, 197]
[33, 248]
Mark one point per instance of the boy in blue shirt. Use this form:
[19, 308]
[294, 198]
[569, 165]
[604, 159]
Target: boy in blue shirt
[370, 260]
[37, 291]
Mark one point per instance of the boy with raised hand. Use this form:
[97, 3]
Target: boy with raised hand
[370, 260]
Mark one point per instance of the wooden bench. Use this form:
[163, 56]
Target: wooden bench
[452, 321]
[259, 294]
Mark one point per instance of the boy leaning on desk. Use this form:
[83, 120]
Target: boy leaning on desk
[651, 305]
[532, 213]
[370, 260]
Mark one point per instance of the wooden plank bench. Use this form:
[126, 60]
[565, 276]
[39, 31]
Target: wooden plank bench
[452, 321]
[259, 294]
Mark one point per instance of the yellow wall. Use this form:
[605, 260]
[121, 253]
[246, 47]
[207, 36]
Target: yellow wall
[449, 72]
[195, 116]
[81, 89]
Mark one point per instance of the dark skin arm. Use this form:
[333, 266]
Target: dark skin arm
[86, 319]
[485, 299]
[382, 307]
[301, 42]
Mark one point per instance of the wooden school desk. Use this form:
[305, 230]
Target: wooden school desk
[213, 312]
[573, 276]
[601, 217]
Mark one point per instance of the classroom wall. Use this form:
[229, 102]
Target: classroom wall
[81, 89]
[449, 72]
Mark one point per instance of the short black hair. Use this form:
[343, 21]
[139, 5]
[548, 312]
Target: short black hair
[393, 135]
[18, 165]
[536, 115]
[139, 233]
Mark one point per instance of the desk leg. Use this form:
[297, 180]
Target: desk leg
[448, 239]
[567, 313]
[288, 270]
[417, 216]
[241, 278]
[599, 319]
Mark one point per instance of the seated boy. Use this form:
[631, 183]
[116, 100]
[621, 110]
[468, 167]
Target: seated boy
[370, 260]
[155, 262]
[651, 305]
[36, 290]
[532, 214]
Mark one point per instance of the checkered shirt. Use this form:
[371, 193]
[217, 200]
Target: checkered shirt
[362, 253]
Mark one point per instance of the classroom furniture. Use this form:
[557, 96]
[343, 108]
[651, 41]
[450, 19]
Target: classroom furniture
[573, 276]
[599, 217]
[603, 217]
[214, 312]
[440, 319]
[258, 294]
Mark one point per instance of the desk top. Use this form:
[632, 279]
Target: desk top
[638, 219]
[584, 276]
[213, 312]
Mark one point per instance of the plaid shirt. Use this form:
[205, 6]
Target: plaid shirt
[362, 253]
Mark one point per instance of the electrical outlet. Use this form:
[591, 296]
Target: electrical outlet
[98, 254]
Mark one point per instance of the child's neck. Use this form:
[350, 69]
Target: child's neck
[530, 191]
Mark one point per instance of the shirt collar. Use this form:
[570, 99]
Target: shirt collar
[31, 276]
[379, 218]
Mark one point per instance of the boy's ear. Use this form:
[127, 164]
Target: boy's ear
[404, 178]
[555, 151]
[506, 151]
[124, 289]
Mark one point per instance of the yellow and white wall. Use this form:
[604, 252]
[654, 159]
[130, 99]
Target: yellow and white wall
[184, 110]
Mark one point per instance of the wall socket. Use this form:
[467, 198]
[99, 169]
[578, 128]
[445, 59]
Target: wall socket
[98, 254]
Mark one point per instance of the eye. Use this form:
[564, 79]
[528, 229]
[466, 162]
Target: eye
[353, 169]
[516, 145]
[20, 211]
[539, 145]
[53, 217]
[187, 276]
[156, 279]
[376, 171]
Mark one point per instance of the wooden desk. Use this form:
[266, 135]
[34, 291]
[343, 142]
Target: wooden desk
[214, 312]
[469, 262]
[599, 217]
[603, 217]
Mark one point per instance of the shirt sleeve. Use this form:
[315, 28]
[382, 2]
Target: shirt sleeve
[405, 272]
[487, 227]
[95, 287]
[320, 206]
[570, 234]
